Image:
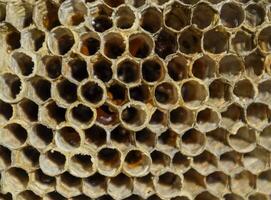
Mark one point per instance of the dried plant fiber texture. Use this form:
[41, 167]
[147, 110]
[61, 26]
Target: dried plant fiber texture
[135, 99]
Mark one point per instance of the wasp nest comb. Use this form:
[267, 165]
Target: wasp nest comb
[135, 99]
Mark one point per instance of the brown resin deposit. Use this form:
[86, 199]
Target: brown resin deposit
[135, 99]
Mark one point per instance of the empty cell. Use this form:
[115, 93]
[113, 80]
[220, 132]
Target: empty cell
[52, 65]
[81, 165]
[94, 185]
[13, 135]
[204, 15]
[161, 2]
[66, 91]
[217, 182]
[158, 118]
[151, 19]
[121, 137]
[220, 92]
[28, 158]
[134, 116]
[233, 114]
[244, 89]
[190, 41]
[137, 163]
[242, 42]
[82, 114]
[125, 17]
[120, 186]
[28, 195]
[231, 66]
[109, 161]
[216, 40]
[68, 185]
[76, 68]
[207, 119]
[192, 142]
[168, 184]
[68, 138]
[257, 196]
[165, 43]
[54, 196]
[56, 114]
[205, 163]
[13, 40]
[102, 22]
[166, 94]
[160, 161]
[154, 197]
[232, 196]
[41, 183]
[193, 93]
[29, 109]
[140, 45]
[52, 163]
[193, 182]
[117, 93]
[264, 39]
[22, 63]
[257, 160]
[255, 15]
[206, 196]
[140, 93]
[6, 112]
[42, 87]
[89, 43]
[128, 71]
[177, 17]
[40, 136]
[204, 68]
[95, 136]
[114, 3]
[5, 157]
[102, 69]
[243, 183]
[152, 70]
[92, 92]
[105, 197]
[72, 12]
[263, 182]
[145, 139]
[137, 3]
[265, 137]
[107, 115]
[167, 141]
[60, 41]
[177, 68]
[257, 115]
[181, 117]
[15, 177]
[180, 163]
[33, 39]
[264, 89]
[254, 63]
[230, 162]
[143, 186]
[232, 15]
[114, 45]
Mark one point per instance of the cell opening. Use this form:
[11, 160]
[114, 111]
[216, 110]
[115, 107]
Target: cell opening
[81, 165]
[125, 17]
[160, 161]
[231, 15]
[263, 181]
[122, 137]
[231, 66]
[178, 68]
[13, 135]
[145, 138]
[109, 160]
[54, 196]
[67, 91]
[55, 112]
[151, 20]
[89, 44]
[17, 177]
[264, 89]
[152, 70]
[219, 92]
[217, 182]
[114, 45]
[107, 115]
[203, 15]
[180, 162]
[255, 14]
[6, 111]
[254, 63]
[33, 39]
[193, 142]
[166, 93]
[120, 185]
[204, 68]
[28, 195]
[69, 181]
[242, 42]
[181, 116]
[12, 84]
[102, 70]
[190, 41]
[53, 66]
[140, 45]
[43, 179]
[82, 113]
[29, 156]
[169, 184]
[193, 181]
[230, 161]
[68, 138]
[102, 23]
[114, 3]
[140, 93]
[29, 109]
[206, 196]
[128, 71]
[117, 94]
[42, 88]
[168, 140]
[244, 89]
[52, 163]
[5, 157]
[95, 136]
[13, 40]
[92, 92]
[96, 182]
[78, 69]
[134, 115]
[41, 136]
[207, 119]
[258, 114]
[165, 43]
[22, 63]
[264, 39]
[205, 163]
[158, 118]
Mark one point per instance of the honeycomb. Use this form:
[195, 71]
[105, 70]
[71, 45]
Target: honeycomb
[135, 99]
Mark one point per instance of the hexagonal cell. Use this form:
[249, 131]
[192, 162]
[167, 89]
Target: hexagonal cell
[168, 184]
[151, 19]
[231, 66]
[205, 163]
[207, 119]
[180, 163]
[243, 183]
[232, 196]
[181, 117]
[160, 161]
[6, 112]
[263, 182]
[102, 69]
[125, 17]
[66, 91]
[167, 141]
[244, 89]
[56, 114]
[54, 196]
[29, 110]
[95, 136]
[154, 197]
[68, 185]
[257, 115]
[145, 139]
[120, 186]
[257, 196]
[264, 39]
[89, 43]
[76, 68]
[22, 63]
[128, 71]
[190, 41]
[178, 16]
[158, 119]
[28, 158]
[107, 115]
[114, 3]
[255, 15]
[216, 40]
[28, 195]
[233, 113]
[72, 12]
[143, 186]
[204, 68]
[137, 163]
[81, 165]
[232, 15]
[166, 94]
[12, 85]
[114, 45]
[52, 65]
[264, 90]
[13, 135]
[95, 185]
[42, 87]
[5, 157]
[206, 196]
[140, 45]
[177, 68]
[192, 142]
[109, 161]
[217, 182]
[140, 93]
[68, 138]
[102, 21]
[242, 42]
[12, 39]
[264, 137]
[60, 41]
[230, 162]
[165, 43]
[33, 39]
[152, 70]
[52, 163]
[82, 115]
[193, 182]
[117, 93]
[254, 63]
[92, 92]
[121, 137]
[203, 15]
[193, 93]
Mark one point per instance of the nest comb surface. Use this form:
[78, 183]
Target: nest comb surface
[135, 99]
